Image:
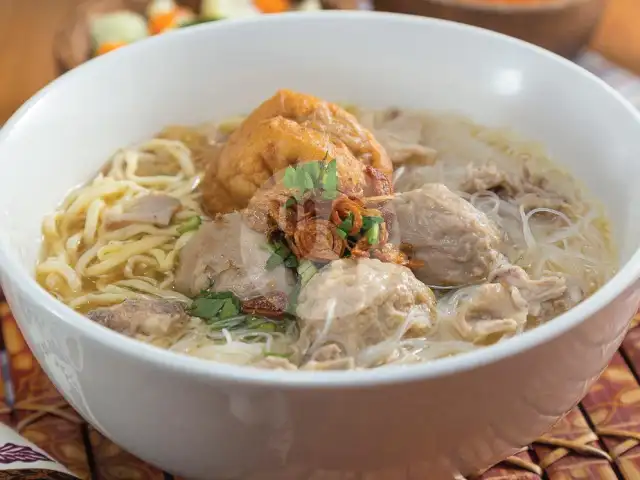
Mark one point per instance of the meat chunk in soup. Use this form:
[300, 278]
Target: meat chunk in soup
[225, 255]
[482, 311]
[156, 209]
[142, 316]
[456, 242]
[489, 177]
[536, 292]
[359, 303]
[521, 188]
[400, 133]
[287, 129]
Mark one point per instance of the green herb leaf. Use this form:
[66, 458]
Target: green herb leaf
[192, 224]
[290, 202]
[262, 324]
[231, 323]
[300, 180]
[314, 170]
[341, 233]
[373, 234]
[330, 195]
[281, 254]
[308, 181]
[214, 307]
[347, 223]
[228, 310]
[306, 270]
[218, 294]
[274, 261]
[214, 295]
[291, 261]
[267, 327]
[222, 310]
[290, 178]
[206, 308]
[330, 177]
[308, 176]
[368, 222]
[282, 250]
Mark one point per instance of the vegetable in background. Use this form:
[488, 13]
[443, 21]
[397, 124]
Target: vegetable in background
[111, 31]
[115, 29]
[109, 47]
[228, 9]
[272, 6]
[167, 15]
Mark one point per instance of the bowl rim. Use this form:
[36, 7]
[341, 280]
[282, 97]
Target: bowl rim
[22, 278]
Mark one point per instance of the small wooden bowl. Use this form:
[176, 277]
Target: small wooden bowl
[341, 4]
[562, 26]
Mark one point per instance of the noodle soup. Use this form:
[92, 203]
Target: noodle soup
[311, 236]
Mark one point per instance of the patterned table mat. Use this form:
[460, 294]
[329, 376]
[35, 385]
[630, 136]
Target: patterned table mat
[626, 82]
[598, 439]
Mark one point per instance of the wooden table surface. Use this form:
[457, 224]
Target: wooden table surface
[27, 28]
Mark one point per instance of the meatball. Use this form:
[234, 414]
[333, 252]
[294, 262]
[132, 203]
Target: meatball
[359, 303]
[456, 242]
[225, 255]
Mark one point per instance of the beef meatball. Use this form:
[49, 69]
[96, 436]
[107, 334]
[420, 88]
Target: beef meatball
[456, 242]
[359, 303]
[225, 255]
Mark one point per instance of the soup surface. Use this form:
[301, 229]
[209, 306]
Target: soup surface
[312, 236]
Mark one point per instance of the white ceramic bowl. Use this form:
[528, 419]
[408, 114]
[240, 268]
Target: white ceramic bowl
[209, 421]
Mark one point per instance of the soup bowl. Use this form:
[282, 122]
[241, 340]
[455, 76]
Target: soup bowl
[206, 420]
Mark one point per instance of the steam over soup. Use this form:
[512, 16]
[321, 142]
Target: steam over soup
[307, 237]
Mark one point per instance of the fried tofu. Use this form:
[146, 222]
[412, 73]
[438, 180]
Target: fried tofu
[288, 129]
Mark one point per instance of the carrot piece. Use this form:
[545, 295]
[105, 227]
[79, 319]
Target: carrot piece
[109, 47]
[272, 6]
[163, 21]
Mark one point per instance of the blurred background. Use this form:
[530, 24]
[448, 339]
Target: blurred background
[40, 39]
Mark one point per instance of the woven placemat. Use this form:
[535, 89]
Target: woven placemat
[599, 439]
